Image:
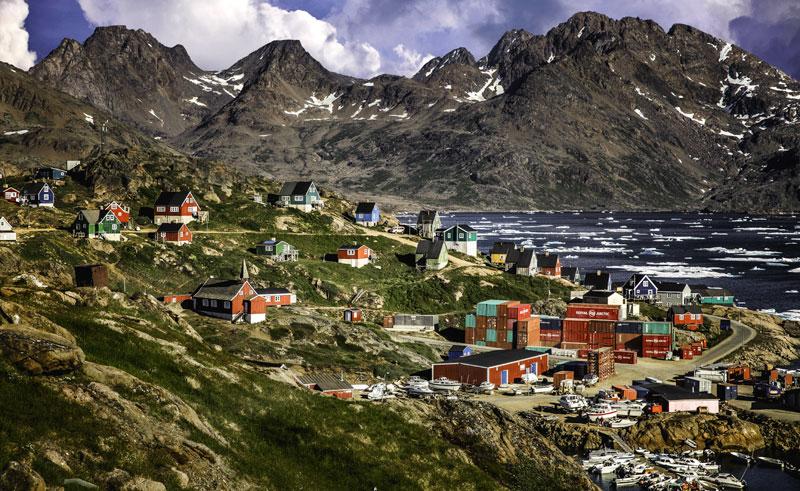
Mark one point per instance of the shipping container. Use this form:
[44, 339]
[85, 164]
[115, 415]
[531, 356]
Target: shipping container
[727, 392]
[488, 308]
[559, 376]
[578, 368]
[510, 337]
[602, 326]
[625, 357]
[626, 392]
[696, 384]
[629, 327]
[656, 328]
[549, 323]
[575, 330]
[575, 346]
[594, 311]
[656, 340]
[628, 341]
[520, 312]
[469, 321]
[583, 353]
[491, 335]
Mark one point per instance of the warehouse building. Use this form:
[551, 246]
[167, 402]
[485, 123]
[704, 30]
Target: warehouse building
[497, 367]
[677, 399]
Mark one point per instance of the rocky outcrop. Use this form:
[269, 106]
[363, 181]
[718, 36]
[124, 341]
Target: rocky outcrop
[19, 477]
[781, 437]
[570, 439]
[669, 431]
[38, 352]
[775, 344]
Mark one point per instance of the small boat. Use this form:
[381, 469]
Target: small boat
[741, 456]
[513, 391]
[727, 481]
[690, 443]
[572, 402]
[622, 423]
[600, 412]
[770, 462]
[420, 392]
[542, 388]
[379, 392]
[590, 379]
[444, 384]
[415, 381]
[486, 386]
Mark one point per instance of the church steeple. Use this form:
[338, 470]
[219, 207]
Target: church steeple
[244, 274]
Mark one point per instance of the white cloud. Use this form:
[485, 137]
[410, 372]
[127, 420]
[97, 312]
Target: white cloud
[13, 36]
[410, 61]
[218, 32]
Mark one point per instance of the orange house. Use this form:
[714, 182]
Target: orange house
[355, 255]
[687, 316]
[175, 207]
[175, 233]
[11, 195]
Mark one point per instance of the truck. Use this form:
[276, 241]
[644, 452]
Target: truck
[766, 391]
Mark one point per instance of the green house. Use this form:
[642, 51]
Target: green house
[92, 224]
[431, 254]
[715, 296]
[461, 238]
[280, 250]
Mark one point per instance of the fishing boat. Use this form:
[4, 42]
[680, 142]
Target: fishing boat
[420, 392]
[379, 392]
[770, 462]
[622, 423]
[572, 402]
[741, 456]
[542, 388]
[727, 481]
[600, 412]
[415, 381]
[444, 384]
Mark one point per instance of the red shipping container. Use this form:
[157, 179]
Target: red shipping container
[520, 312]
[656, 340]
[625, 357]
[575, 346]
[603, 326]
[583, 353]
[594, 311]
[575, 330]
[558, 377]
[469, 336]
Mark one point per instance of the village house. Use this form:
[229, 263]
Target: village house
[175, 207]
[430, 255]
[713, 295]
[671, 293]
[522, 262]
[597, 280]
[603, 297]
[38, 194]
[571, 273]
[301, 195]
[7, 233]
[640, 287]
[498, 367]
[411, 322]
[277, 297]
[677, 399]
[458, 351]
[428, 222]
[549, 264]
[12, 195]
[174, 233]
[97, 224]
[123, 213]
[687, 316]
[461, 238]
[328, 385]
[367, 214]
[279, 250]
[51, 173]
[225, 299]
[499, 252]
[355, 255]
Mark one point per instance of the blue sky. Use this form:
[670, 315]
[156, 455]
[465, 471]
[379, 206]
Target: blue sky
[366, 37]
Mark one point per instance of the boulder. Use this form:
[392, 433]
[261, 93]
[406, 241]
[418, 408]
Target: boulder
[19, 477]
[143, 484]
[38, 352]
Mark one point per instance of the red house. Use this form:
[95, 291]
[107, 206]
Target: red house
[175, 207]
[549, 264]
[11, 195]
[497, 367]
[275, 297]
[687, 316]
[174, 233]
[224, 298]
[355, 255]
[123, 213]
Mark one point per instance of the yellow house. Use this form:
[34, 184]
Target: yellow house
[500, 251]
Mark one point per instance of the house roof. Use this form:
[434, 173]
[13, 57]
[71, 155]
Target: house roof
[293, 188]
[502, 247]
[365, 207]
[686, 309]
[34, 187]
[600, 294]
[494, 358]
[457, 347]
[347, 247]
[427, 216]
[597, 279]
[325, 382]
[547, 260]
[10, 188]
[217, 289]
[171, 227]
[273, 291]
[4, 225]
[462, 226]
[431, 249]
[172, 198]
[634, 280]
[569, 272]
[670, 286]
[526, 258]
[675, 393]
[715, 291]
[91, 216]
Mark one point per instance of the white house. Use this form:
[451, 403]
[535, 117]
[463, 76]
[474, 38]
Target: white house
[7, 233]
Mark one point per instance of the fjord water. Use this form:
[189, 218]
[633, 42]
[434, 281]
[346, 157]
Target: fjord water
[757, 257]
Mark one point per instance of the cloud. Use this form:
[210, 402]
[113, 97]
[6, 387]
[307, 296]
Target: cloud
[13, 36]
[218, 32]
[410, 61]
[772, 31]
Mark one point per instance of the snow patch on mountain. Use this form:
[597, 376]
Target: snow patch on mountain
[325, 104]
[724, 52]
[195, 101]
[700, 121]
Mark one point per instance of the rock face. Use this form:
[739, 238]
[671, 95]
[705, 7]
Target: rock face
[38, 352]
[18, 477]
[668, 432]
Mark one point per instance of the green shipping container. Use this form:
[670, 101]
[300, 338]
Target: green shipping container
[469, 321]
[480, 343]
[488, 308]
[510, 336]
[657, 328]
[491, 335]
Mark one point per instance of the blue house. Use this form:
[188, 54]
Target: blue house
[51, 173]
[368, 214]
[639, 287]
[458, 351]
[38, 194]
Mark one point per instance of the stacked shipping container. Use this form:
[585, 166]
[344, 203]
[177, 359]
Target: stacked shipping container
[506, 324]
[601, 362]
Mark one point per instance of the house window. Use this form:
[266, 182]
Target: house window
[160, 208]
[460, 236]
[174, 209]
[227, 305]
[298, 198]
[213, 303]
[113, 226]
[645, 283]
[45, 196]
[351, 252]
[192, 209]
[205, 302]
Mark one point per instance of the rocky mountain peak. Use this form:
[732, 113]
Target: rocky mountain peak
[458, 56]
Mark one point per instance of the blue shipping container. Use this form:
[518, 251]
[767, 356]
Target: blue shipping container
[629, 327]
[550, 323]
[727, 392]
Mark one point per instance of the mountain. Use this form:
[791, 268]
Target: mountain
[130, 74]
[40, 124]
[597, 113]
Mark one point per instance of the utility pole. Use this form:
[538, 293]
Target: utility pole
[103, 129]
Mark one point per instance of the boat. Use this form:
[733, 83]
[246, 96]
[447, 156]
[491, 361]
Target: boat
[727, 481]
[486, 386]
[415, 381]
[600, 412]
[770, 462]
[741, 456]
[420, 392]
[444, 384]
[379, 392]
[542, 388]
[622, 423]
[590, 379]
[513, 391]
[690, 443]
[572, 402]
